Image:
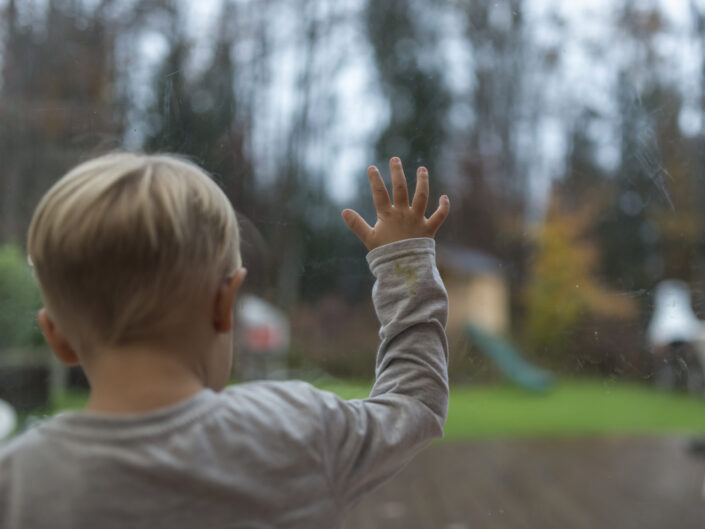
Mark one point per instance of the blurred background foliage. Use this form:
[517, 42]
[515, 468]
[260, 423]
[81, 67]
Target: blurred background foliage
[19, 299]
[575, 158]
[564, 289]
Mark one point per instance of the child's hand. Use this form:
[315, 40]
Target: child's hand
[398, 221]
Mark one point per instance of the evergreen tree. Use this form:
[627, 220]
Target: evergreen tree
[57, 91]
[198, 116]
[492, 193]
[401, 35]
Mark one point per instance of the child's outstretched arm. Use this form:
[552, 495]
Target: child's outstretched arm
[369, 440]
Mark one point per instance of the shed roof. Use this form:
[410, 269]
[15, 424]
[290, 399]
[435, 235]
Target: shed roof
[467, 261]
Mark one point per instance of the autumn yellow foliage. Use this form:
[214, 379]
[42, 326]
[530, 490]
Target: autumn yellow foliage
[563, 286]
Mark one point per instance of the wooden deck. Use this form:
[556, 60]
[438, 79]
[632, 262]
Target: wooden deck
[577, 484]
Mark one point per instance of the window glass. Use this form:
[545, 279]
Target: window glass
[569, 138]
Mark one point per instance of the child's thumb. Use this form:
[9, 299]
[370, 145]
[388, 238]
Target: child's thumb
[357, 224]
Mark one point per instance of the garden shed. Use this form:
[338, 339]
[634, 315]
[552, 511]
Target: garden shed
[478, 292]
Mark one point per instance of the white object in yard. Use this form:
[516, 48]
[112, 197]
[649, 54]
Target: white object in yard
[264, 329]
[8, 420]
[673, 320]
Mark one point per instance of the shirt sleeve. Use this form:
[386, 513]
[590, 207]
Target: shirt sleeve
[368, 440]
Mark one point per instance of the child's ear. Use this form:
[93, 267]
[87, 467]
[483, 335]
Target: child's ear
[56, 339]
[225, 301]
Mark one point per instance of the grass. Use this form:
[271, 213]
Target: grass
[572, 408]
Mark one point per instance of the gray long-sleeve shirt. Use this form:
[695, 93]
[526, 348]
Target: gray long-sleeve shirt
[258, 455]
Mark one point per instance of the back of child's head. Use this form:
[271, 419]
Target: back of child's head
[125, 245]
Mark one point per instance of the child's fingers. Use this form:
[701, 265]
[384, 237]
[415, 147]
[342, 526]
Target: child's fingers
[421, 193]
[440, 215]
[357, 224]
[400, 193]
[379, 190]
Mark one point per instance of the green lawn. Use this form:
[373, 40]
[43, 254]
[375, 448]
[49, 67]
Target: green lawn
[573, 408]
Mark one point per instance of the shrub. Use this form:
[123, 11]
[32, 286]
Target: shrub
[19, 301]
[564, 290]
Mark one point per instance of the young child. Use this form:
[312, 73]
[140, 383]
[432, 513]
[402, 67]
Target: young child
[138, 262]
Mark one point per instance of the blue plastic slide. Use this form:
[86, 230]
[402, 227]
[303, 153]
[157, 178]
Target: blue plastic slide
[508, 361]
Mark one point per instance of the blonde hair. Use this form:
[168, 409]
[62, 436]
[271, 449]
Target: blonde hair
[125, 244]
